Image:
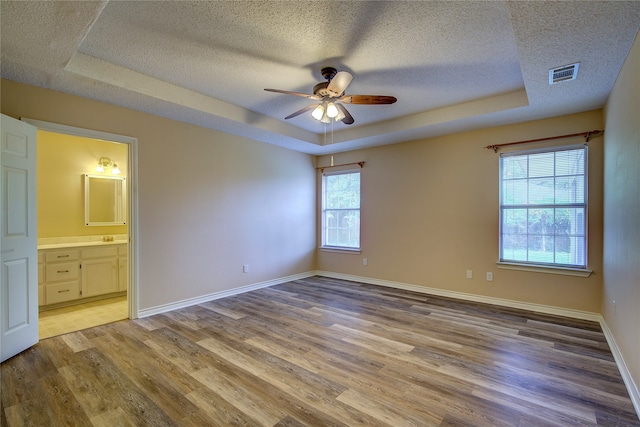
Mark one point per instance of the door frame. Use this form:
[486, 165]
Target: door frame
[132, 194]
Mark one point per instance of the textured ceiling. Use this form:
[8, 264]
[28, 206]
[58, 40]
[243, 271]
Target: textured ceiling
[452, 65]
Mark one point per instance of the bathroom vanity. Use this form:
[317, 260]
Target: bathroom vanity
[75, 272]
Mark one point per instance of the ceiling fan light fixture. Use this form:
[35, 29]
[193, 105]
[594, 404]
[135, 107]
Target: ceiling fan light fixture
[332, 110]
[318, 112]
[325, 117]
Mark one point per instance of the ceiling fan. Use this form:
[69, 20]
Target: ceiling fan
[331, 96]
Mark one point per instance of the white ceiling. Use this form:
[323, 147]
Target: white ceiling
[452, 65]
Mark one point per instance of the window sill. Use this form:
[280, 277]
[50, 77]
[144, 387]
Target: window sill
[340, 250]
[565, 271]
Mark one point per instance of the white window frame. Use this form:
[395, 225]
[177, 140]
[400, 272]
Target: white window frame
[569, 268]
[323, 227]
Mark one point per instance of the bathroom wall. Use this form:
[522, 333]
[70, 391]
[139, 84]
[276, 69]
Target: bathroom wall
[62, 161]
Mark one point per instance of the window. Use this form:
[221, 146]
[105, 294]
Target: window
[543, 207]
[341, 210]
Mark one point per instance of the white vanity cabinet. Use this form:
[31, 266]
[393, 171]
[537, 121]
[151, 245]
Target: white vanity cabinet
[67, 274]
[99, 271]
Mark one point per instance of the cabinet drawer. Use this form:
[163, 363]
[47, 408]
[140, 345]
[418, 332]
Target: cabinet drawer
[108, 252]
[40, 273]
[62, 271]
[40, 257]
[60, 292]
[65, 255]
[122, 250]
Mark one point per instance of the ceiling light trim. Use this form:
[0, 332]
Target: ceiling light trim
[425, 119]
[115, 75]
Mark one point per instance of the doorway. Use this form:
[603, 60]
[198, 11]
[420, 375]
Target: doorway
[99, 241]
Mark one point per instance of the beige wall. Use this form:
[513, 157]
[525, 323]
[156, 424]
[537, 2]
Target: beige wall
[430, 212]
[209, 202]
[621, 281]
[62, 162]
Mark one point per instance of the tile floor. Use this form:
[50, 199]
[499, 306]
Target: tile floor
[74, 318]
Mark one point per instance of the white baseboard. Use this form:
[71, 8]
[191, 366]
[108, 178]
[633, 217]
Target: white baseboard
[538, 308]
[631, 385]
[159, 309]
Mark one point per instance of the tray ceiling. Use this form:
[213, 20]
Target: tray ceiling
[453, 66]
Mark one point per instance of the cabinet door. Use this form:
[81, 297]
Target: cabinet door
[123, 274]
[99, 276]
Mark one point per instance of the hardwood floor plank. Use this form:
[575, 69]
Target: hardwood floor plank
[50, 400]
[322, 352]
[495, 391]
[116, 417]
[218, 409]
[387, 413]
[224, 311]
[369, 340]
[97, 377]
[312, 389]
[284, 353]
[77, 341]
[166, 391]
[255, 407]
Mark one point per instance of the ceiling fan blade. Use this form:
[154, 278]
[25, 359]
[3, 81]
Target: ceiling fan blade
[287, 92]
[368, 99]
[348, 118]
[303, 110]
[339, 83]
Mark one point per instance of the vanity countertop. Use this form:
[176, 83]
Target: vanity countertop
[79, 244]
[81, 241]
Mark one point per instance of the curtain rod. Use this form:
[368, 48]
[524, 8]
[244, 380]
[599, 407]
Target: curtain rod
[586, 135]
[322, 168]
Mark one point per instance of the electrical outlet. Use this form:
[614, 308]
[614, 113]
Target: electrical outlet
[489, 276]
[364, 261]
[469, 274]
[245, 268]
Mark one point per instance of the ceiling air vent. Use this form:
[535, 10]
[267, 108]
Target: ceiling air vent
[563, 74]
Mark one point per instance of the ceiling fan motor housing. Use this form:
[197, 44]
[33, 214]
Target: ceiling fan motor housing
[321, 89]
[328, 73]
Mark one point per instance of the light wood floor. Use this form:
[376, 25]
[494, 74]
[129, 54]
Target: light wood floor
[322, 352]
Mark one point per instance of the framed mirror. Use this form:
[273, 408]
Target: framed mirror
[104, 200]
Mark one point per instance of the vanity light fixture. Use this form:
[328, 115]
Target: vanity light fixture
[106, 162]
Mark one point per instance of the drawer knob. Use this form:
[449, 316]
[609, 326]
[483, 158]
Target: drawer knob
[66, 290]
[63, 256]
[63, 271]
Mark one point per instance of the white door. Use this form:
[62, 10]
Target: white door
[18, 238]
